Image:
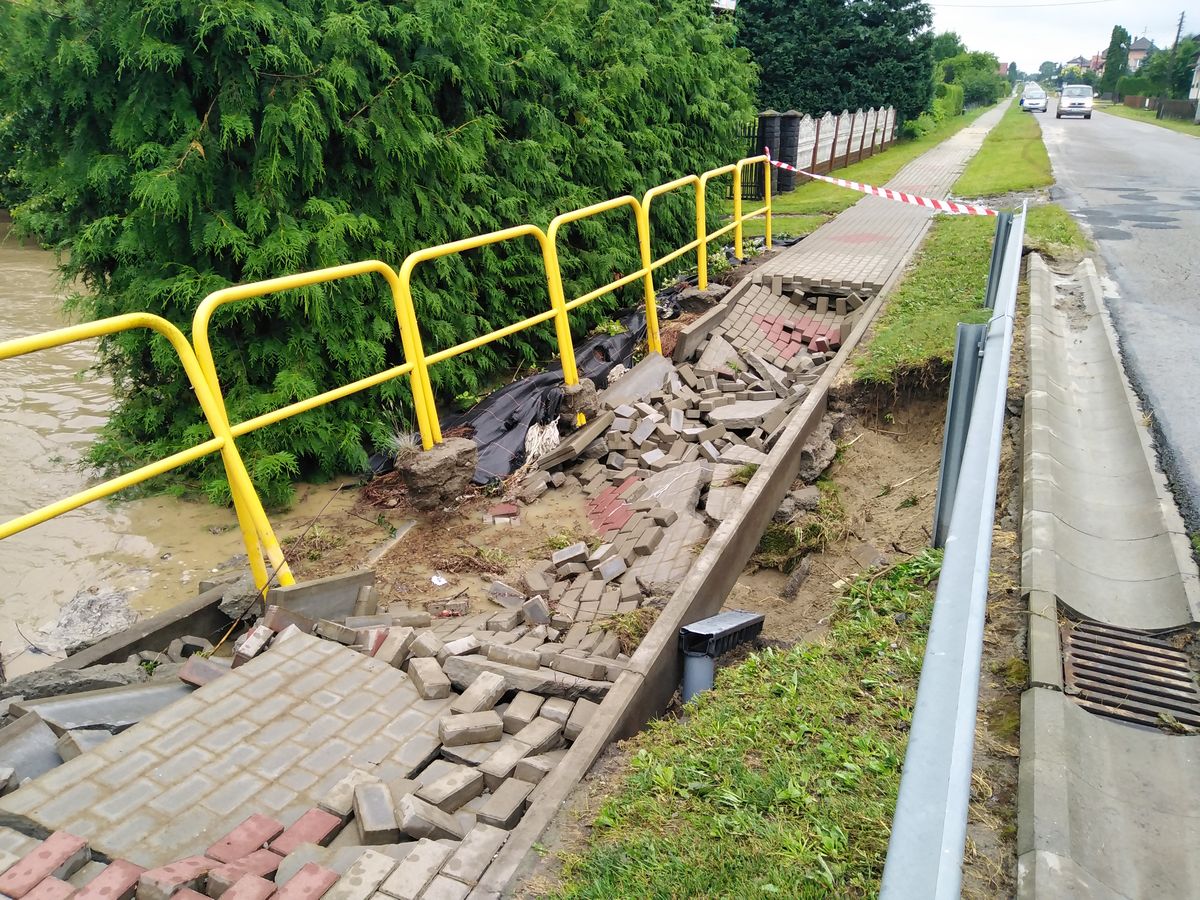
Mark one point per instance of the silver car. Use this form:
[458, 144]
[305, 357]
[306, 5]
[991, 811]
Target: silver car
[1076, 100]
[1034, 99]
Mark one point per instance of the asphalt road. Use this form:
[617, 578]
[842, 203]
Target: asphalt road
[1137, 187]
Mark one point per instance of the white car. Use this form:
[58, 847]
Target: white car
[1076, 100]
[1034, 99]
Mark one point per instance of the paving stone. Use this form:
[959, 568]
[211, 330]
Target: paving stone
[580, 716]
[51, 889]
[311, 882]
[222, 878]
[363, 878]
[557, 710]
[534, 768]
[507, 804]
[335, 631]
[420, 819]
[374, 815]
[505, 621]
[395, 648]
[459, 647]
[414, 618]
[412, 876]
[545, 681]
[470, 728]
[453, 789]
[475, 854]
[60, 856]
[314, 826]
[521, 711]
[514, 656]
[535, 611]
[444, 887]
[118, 881]
[576, 552]
[501, 763]
[161, 883]
[339, 799]
[428, 678]
[250, 887]
[252, 834]
[482, 694]
[425, 645]
[542, 735]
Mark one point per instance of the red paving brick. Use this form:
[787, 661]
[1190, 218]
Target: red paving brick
[24, 875]
[51, 889]
[314, 827]
[118, 881]
[308, 884]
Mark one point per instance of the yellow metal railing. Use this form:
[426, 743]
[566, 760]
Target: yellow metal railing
[265, 554]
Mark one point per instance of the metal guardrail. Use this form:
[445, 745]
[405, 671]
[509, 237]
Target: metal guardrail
[929, 828]
[266, 557]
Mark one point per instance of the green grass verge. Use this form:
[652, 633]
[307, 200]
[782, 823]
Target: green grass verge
[945, 286]
[780, 225]
[1147, 116]
[781, 781]
[1051, 231]
[1013, 158]
[819, 198]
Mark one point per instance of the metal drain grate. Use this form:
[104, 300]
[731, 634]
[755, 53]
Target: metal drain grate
[1128, 675]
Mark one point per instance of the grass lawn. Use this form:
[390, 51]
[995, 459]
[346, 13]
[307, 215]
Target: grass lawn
[1146, 115]
[1012, 158]
[818, 198]
[1051, 231]
[780, 225]
[781, 781]
[944, 287]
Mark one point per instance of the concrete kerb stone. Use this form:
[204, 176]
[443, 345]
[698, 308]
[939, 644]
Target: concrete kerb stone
[654, 670]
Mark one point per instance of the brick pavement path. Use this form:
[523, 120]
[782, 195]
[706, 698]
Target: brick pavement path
[869, 242]
[809, 296]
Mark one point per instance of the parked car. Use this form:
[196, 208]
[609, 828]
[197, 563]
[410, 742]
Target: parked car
[1076, 101]
[1034, 99]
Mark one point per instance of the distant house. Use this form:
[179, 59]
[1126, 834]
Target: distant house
[1002, 70]
[1082, 61]
[1139, 50]
[1098, 60]
[1194, 92]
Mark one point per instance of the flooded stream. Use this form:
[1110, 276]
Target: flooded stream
[51, 406]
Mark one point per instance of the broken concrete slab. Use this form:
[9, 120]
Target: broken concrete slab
[113, 708]
[743, 414]
[717, 355]
[638, 383]
[323, 598]
[574, 444]
[436, 477]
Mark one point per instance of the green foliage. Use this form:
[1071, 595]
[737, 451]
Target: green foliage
[1077, 75]
[1051, 231]
[947, 44]
[1171, 71]
[977, 74]
[168, 148]
[1135, 86]
[1047, 71]
[815, 55]
[1116, 62]
[782, 780]
[950, 101]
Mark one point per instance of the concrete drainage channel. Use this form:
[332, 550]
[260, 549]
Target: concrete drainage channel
[443, 745]
[1108, 725]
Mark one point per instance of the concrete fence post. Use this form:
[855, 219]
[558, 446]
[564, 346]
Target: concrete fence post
[768, 136]
[874, 131]
[789, 147]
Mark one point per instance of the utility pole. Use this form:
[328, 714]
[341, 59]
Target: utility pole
[1171, 65]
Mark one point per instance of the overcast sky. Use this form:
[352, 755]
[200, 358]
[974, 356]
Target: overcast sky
[1018, 30]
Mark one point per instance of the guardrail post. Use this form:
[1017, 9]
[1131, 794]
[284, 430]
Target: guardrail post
[1003, 226]
[964, 377]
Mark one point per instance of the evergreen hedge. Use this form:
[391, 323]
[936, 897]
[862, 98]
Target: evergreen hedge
[169, 148]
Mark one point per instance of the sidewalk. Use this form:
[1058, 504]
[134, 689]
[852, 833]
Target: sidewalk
[859, 251]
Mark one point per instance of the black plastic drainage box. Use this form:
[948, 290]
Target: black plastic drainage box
[702, 642]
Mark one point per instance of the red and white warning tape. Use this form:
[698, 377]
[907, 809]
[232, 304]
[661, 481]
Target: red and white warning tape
[947, 206]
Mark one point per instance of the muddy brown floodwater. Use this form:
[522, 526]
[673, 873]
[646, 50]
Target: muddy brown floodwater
[51, 406]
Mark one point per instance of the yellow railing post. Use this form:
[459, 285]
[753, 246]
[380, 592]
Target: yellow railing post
[737, 211]
[767, 197]
[653, 340]
[702, 237]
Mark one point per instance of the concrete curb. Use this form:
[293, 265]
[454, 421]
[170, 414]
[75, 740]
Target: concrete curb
[655, 669]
